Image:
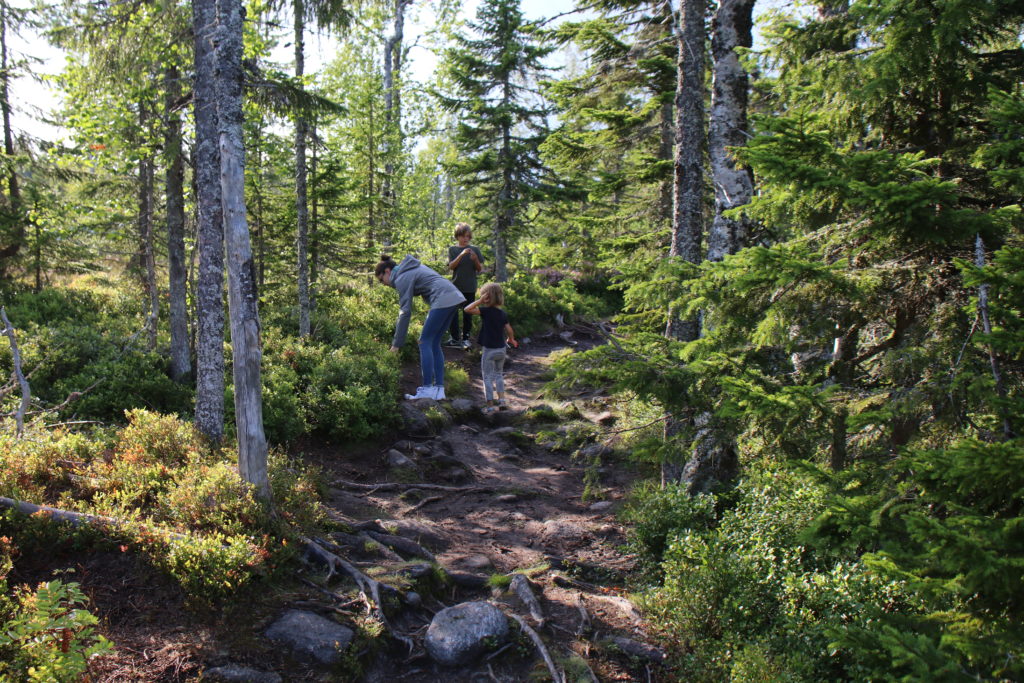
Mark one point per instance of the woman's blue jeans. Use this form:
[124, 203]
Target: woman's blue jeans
[431, 355]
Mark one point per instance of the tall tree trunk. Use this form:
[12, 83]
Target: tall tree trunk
[209, 230]
[147, 259]
[301, 200]
[392, 115]
[714, 458]
[314, 221]
[13, 190]
[731, 28]
[181, 357]
[841, 372]
[688, 178]
[986, 326]
[504, 215]
[688, 175]
[242, 295]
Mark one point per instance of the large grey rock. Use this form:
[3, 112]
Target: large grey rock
[461, 406]
[311, 636]
[415, 420]
[398, 460]
[459, 634]
[233, 673]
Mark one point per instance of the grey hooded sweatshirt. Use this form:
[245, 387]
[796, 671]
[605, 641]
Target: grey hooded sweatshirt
[412, 278]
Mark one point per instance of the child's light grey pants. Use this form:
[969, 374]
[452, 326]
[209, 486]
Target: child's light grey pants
[492, 365]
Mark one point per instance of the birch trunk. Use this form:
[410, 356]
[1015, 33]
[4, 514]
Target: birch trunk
[210, 230]
[26, 391]
[504, 216]
[242, 295]
[731, 28]
[181, 357]
[301, 198]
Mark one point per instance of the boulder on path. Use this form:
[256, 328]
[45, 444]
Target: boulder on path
[233, 673]
[398, 460]
[310, 635]
[414, 420]
[461, 406]
[458, 635]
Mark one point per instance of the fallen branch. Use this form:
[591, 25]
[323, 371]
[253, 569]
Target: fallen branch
[521, 587]
[75, 519]
[539, 644]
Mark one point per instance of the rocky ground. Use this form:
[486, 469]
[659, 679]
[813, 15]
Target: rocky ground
[534, 576]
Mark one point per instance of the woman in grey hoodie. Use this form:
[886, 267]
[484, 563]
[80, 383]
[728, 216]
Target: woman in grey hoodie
[411, 278]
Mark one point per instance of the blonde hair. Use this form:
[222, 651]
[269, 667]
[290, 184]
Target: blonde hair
[494, 294]
[461, 229]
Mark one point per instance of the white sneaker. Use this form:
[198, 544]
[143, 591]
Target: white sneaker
[421, 392]
[438, 393]
[467, 344]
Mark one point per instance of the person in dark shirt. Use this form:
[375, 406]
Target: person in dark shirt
[495, 332]
[465, 261]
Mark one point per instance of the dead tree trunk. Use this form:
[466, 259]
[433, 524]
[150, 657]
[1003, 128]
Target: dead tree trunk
[242, 295]
[731, 28]
[210, 230]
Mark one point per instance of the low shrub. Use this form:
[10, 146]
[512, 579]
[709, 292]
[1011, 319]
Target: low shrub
[48, 633]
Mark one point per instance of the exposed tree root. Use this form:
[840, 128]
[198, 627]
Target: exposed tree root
[369, 587]
[398, 486]
[539, 644]
[401, 544]
[423, 503]
[521, 587]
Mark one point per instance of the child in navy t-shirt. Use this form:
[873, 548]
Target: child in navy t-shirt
[494, 331]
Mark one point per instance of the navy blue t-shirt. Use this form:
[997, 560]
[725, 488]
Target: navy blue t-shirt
[492, 328]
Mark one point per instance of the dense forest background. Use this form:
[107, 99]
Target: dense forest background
[810, 255]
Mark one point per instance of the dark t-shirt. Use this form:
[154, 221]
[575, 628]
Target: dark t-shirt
[492, 328]
[464, 275]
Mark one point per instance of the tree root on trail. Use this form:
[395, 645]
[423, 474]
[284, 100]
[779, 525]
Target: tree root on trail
[367, 585]
[401, 544]
[539, 644]
[398, 486]
[521, 587]
[423, 503]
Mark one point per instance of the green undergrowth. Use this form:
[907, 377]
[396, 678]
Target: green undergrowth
[167, 496]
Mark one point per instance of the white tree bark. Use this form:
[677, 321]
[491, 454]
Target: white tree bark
[731, 28]
[210, 230]
[242, 295]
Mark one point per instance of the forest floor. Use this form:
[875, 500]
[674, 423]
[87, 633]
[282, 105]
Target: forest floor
[522, 508]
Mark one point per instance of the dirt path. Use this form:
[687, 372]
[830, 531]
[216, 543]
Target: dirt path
[527, 514]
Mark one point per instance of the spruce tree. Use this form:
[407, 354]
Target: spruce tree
[500, 119]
